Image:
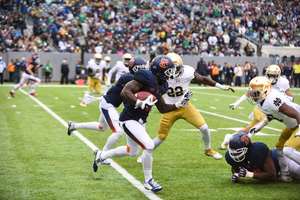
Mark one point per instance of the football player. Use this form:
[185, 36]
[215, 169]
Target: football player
[178, 85]
[120, 68]
[277, 83]
[109, 116]
[135, 112]
[277, 106]
[96, 73]
[107, 61]
[29, 75]
[255, 160]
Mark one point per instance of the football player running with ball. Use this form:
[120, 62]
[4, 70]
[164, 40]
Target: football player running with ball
[255, 160]
[178, 86]
[109, 116]
[135, 112]
[277, 106]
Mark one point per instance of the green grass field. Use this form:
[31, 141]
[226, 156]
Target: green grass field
[40, 161]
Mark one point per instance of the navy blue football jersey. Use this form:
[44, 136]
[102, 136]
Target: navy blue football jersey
[33, 69]
[275, 160]
[113, 94]
[258, 153]
[149, 82]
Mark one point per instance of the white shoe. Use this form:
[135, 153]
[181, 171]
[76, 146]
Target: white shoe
[226, 141]
[153, 186]
[82, 104]
[139, 160]
[211, 152]
[98, 160]
[105, 162]
[285, 177]
[71, 128]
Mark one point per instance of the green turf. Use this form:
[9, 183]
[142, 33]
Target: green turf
[40, 161]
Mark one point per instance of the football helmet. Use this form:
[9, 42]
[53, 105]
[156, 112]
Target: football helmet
[273, 73]
[107, 59]
[259, 88]
[177, 62]
[98, 58]
[239, 145]
[162, 67]
[135, 64]
[126, 58]
[35, 57]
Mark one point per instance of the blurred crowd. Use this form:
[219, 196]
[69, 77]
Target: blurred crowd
[207, 28]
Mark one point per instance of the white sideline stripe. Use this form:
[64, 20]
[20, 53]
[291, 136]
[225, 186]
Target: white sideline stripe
[238, 120]
[117, 167]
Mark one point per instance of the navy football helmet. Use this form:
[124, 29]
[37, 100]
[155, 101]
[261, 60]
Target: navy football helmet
[135, 64]
[239, 145]
[35, 57]
[163, 67]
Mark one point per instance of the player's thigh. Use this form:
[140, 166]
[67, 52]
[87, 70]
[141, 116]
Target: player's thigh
[165, 124]
[91, 83]
[284, 136]
[97, 86]
[294, 170]
[292, 140]
[193, 116]
[137, 133]
[110, 116]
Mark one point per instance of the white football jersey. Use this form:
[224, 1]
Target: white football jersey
[179, 86]
[281, 85]
[271, 106]
[119, 69]
[97, 69]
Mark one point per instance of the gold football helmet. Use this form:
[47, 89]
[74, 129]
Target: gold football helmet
[126, 58]
[273, 73]
[98, 58]
[177, 62]
[259, 88]
[107, 59]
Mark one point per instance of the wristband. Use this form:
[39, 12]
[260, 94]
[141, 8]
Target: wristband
[249, 174]
[218, 85]
[138, 103]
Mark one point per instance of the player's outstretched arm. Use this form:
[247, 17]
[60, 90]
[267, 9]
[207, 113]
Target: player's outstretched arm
[207, 81]
[238, 102]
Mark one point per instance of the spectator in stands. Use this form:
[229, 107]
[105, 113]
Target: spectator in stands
[286, 72]
[247, 73]
[208, 70]
[16, 74]
[238, 74]
[253, 71]
[48, 70]
[201, 66]
[265, 69]
[64, 72]
[230, 75]
[11, 69]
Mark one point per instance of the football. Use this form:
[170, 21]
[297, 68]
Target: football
[143, 95]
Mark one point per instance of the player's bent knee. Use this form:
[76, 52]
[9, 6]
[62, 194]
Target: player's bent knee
[133, 153]
[288, 151]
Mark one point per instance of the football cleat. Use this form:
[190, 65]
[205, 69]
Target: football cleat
[82, 104]
[211, 152]
[139, 160]
[98, 161]
[226, 141]
[12, 94]
[105, 162]
[153, 186]
[284, 178]
[34, 94]
[71, 128]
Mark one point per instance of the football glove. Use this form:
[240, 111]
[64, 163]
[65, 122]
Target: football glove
[183, 101]
[226, 88]
[258, 127]
[233, 106]
[245, 173]
[235, 178]
[145, 104]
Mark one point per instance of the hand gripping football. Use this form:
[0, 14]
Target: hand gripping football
[143, 95]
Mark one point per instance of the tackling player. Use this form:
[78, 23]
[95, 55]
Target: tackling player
[29, 75]
[109, 116]
[178, 86]
[277, 106]
[96, 73]
[255, 160]
[135, 112]
[120, 68]
[278, 83]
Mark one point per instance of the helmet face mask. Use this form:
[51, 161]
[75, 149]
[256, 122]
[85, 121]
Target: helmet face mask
[239, 146]
[273, 73]
[178, 65]
[162, 67]
[259, 88]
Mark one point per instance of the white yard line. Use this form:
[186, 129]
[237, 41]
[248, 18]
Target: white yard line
[117, 167]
